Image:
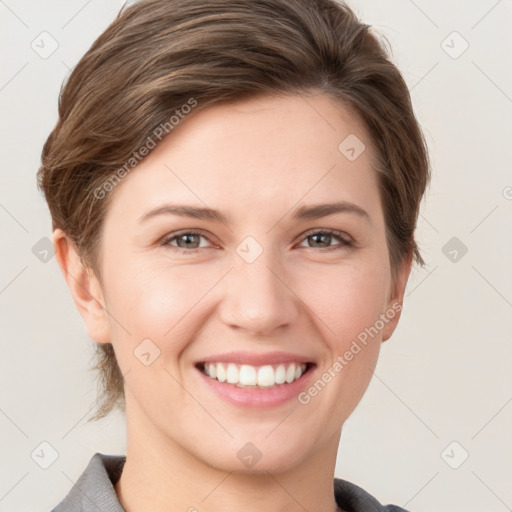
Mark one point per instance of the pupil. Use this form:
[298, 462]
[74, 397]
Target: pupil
[319, 235]
[186, 239]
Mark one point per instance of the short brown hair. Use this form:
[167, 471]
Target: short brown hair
[157, 54]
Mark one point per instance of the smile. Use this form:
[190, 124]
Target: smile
[248, 376]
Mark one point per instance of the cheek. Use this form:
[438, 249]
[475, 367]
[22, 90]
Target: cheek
[157, 301]
[345, 300]
[151, 314]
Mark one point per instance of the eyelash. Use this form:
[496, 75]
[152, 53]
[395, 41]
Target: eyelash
[346, 243]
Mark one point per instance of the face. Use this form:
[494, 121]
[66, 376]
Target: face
[257, 278]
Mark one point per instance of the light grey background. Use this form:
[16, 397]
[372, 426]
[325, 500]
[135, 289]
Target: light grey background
[446, 374]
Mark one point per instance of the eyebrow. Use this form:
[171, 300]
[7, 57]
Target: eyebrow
[304, 212]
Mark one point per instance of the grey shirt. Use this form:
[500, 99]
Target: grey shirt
[94, 490]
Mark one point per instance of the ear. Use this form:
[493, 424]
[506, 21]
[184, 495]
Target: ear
[396, 298]
[84, 287]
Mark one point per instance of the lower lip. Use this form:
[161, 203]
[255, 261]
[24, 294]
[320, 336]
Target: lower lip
[250, 397]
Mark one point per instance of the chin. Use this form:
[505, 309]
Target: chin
[248, 458]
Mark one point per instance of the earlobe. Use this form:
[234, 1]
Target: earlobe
[84, 287]
[396, 299]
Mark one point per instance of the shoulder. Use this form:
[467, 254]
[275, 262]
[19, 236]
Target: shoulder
[94, 490]
[353, 498]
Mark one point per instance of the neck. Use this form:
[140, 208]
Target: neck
[160, 474]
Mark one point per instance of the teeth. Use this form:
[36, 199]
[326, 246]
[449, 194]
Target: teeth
[246, 375]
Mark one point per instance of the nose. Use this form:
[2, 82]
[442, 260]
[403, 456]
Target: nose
[258, 297]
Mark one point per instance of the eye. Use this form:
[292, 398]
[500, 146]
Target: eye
[186, 240]
[189, 241]
[323, 238]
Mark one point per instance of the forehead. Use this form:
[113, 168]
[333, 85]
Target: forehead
[265, 154]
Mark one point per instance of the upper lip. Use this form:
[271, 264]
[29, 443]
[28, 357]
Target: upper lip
[255, 359]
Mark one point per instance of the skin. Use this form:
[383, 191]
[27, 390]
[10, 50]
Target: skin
[257, 161]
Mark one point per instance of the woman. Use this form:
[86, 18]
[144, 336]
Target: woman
[234, 188]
